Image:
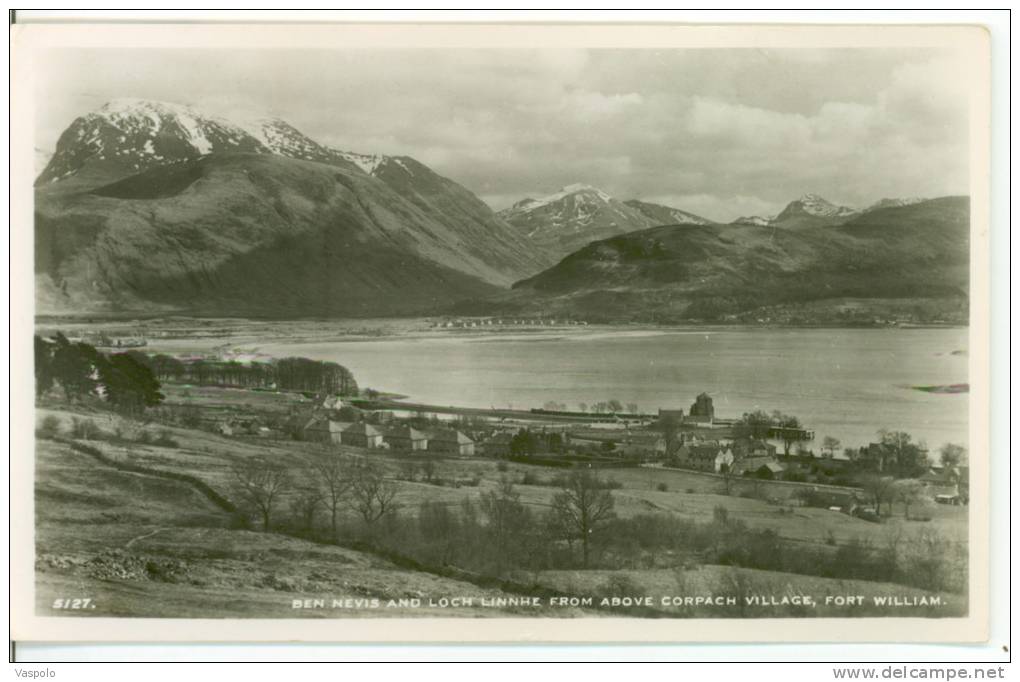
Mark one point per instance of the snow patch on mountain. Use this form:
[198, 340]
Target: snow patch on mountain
[586, 197]
[755, 220]
[815, 205]
[894, 203]
[366, 162]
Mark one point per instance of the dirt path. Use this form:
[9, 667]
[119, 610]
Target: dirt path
[142, 537]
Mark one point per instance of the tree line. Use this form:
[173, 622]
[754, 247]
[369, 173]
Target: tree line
[287, 374]
[80, 371]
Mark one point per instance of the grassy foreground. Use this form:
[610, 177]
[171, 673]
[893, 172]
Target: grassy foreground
[144, 545]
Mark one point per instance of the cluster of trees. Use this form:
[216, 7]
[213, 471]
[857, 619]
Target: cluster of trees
[81, 372]
[332, 485]
[612, 406]
[896, 454]
[498, 532]
[528, 443]
[290, 374]
[759, 424]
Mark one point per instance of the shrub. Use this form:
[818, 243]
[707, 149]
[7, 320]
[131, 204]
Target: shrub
[662, 487]
[690, 491]
[530, 478]
[502, 467]
[85, 429]
[49, 427]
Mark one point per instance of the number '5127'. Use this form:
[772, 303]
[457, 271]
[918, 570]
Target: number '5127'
[74, 604]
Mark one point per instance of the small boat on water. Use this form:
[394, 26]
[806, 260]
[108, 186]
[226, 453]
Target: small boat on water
[944, 388]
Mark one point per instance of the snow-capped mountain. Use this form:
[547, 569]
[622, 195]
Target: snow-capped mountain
[667, 215]
[754, 220]
[280, 137]
[575, 215]
[812, 210]
[893, 203]
[133, 135]
[140, 197]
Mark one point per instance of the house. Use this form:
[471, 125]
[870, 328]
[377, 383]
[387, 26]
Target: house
[333, 402]
[702, 411]
[497, 446]
[667, 416]
[758, 467]
[451, 442]
[944, 482]
[723, 461]
[361, 435]
[751, 447]
[407, 439]
[324, 430]
[705, 456]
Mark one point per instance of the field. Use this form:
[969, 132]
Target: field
[138, 543]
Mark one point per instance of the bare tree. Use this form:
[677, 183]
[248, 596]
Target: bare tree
[259, 484]
[581, 505]
[335, 482]
[881, 489]
[910, 492]
[305, 506]
[372, 494]
[428, 469]
[507, 522]
[830, 445]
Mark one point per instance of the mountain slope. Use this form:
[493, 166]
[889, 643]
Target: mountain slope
[810, 211]
[667, 215]
[919, 251]
[249, 234]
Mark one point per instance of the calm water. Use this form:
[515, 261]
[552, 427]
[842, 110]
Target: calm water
[840, 382]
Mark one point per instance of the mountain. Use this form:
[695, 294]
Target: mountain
[572, 217]
[753, 220]
[280, 137]
[130, 135]
[893, 203]
[667, 215]
[812, 210]
[149, 206]
[916, 256]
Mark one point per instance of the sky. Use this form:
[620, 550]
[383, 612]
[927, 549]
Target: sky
[720, 133]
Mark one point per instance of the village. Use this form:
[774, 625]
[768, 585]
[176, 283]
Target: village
[739, 454]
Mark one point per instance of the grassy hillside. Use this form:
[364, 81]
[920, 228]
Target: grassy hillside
[128, 531]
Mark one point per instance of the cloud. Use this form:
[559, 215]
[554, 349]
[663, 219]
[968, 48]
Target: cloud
[719, 132]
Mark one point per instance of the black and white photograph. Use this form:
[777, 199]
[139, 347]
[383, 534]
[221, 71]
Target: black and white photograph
[373, 330]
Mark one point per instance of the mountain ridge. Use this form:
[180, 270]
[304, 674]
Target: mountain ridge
[150, 203]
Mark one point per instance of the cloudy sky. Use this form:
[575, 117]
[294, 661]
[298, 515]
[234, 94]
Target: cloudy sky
[722, 133]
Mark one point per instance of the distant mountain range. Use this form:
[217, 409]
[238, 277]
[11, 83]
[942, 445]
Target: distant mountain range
[153, 208]
[914, 254]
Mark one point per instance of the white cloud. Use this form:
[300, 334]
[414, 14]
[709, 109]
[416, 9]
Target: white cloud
[729, 132]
